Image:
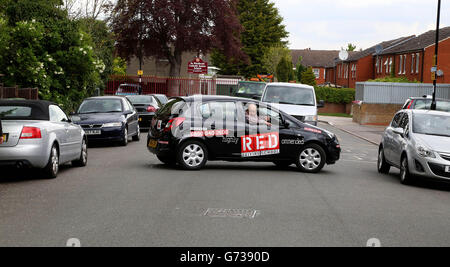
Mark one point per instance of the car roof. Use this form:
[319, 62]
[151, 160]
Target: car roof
[296, 85]
[130, 84]
[428, 98]
[40, 110]
[215, 98]
[106, 97]
[431, 112]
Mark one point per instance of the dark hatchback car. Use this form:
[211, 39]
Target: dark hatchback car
[146, 106]
[190, 131]
[108, 118]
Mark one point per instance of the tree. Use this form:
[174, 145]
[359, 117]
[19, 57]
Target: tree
[273, 56]
[285, 72]
[351, 47]
[51, 53]
[167, 29]
[308, 77]
[263, 29]
[300, 69]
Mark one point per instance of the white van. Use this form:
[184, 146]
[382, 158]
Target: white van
[297, 100]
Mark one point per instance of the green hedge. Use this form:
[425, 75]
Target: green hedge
[393, 80]
[335, 95]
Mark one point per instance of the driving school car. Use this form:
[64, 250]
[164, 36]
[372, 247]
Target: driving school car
[192, 130]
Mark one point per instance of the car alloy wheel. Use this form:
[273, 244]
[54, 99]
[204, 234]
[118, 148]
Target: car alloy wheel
[192, 155]
[311, 159]
[55, 160]
[52, 168]
[82, 162]
[137, 137]
[405, 176]
[125, 137]
[383, 166]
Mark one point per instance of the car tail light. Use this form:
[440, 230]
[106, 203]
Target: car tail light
[151, 109]
[173, 123]
[31, 133]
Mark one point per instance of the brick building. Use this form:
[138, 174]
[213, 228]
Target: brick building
[318, 60]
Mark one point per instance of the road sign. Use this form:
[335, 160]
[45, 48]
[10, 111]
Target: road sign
[198, 66]
[140, 72]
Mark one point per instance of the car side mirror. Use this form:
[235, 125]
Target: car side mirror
[399, 131]
[321, 104]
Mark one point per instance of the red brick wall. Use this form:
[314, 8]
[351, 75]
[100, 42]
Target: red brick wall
[340, 77]
[410, 75]
[321, 79]
[443, 62]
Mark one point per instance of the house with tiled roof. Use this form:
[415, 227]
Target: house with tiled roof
[413, 59]
[318, 60]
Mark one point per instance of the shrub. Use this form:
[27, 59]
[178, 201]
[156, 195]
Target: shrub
[335, 95]
[393, 80]
[308, 77]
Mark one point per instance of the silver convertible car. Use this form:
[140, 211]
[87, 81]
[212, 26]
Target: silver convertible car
[418, 143]
[38, 134]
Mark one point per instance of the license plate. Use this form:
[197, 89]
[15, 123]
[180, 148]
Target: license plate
[447, 169]
[93, 132]
[152, 143]
[5, 138]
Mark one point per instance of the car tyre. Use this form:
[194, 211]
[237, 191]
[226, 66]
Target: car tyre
[167, 160]
[383, 166]
[82, 161]
[405, 176]
[124, 141]
[311, 158]
[192, 155]
[52, 168]
[137, 137]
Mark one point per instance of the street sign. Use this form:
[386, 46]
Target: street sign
[140, 72]
[198, 66]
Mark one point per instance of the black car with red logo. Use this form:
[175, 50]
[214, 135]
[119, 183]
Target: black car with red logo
[192, 130]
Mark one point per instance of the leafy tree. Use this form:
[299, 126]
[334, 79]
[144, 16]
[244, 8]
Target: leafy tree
[300, 69]
[351, 47]
[285, 72]
[49, 52]
[166, 29]
[119, 66]
[273, 56]
[263, 29]
[308, 77]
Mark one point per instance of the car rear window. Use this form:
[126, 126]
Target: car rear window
[173, 107]
[141, 99]
[425, 104]
[15, 112]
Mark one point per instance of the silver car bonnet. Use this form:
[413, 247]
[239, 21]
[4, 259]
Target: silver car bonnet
[436, 143]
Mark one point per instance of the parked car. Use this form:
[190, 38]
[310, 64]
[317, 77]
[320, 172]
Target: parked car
[425, 103]
[38, 134]
[108, 118]
[129, 89]
[418, 143]
[189, 131]
[146, 106]
[297, 100]
[162, 98]
[253, 90]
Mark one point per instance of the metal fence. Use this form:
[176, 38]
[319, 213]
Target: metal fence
[172, 86]
[397, 93]
[16, 92]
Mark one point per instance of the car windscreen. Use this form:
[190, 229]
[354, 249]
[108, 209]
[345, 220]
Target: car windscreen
[15, 112]
[425, 104]
[289, 95]
[100, 106]
[141, 100]
[251, 88]
[431, 124]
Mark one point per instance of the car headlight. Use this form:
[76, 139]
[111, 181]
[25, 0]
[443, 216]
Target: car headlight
[112, 124]
[311, 118]
[425, 152]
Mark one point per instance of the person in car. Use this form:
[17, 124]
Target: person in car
[252, 116]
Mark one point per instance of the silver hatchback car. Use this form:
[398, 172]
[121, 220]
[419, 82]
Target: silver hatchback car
[38, 134]
[418, 143]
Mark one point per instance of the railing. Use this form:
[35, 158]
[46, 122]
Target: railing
[170, 86]
[16, 92]
[397, 93]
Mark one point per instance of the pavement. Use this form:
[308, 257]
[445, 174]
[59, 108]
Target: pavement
[371, 134]
[126, 197]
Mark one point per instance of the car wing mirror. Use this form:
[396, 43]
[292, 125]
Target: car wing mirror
[399, 131]
[321, 104]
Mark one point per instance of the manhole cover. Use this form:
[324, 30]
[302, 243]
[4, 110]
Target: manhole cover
[232, 213]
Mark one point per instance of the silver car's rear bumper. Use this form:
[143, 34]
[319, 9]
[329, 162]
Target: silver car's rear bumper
[35, 155]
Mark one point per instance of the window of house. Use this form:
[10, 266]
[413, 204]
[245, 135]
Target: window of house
[377, 65]
[386, 65]
[412, 63]
[317, 73]
[417, 62]
[339, 71]
[346, 71]
[404, 64]
[400, 65]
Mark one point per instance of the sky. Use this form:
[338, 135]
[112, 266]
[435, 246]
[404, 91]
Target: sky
[332, 24]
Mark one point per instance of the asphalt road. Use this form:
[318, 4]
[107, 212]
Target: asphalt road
[125, 197]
